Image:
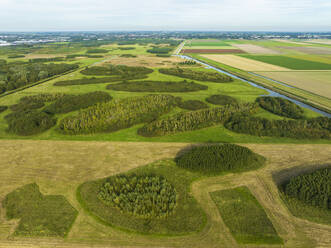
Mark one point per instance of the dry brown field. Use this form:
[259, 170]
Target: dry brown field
[254, 49]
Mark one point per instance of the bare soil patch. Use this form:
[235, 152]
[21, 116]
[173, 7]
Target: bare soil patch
[43, 56]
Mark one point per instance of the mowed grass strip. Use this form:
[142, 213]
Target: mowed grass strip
[245, 217]
[290, 63]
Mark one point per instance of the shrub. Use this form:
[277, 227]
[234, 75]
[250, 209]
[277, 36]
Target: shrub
[3, 108]
[163, 55]
[118, 70]
[29, 122]
[192, 105]
[42, 60]
[70, 103]
[221, 100]
[281, 106]
[126, 48]
[118, 114]
[39, 215]
[213, 159]
[188, 62]
[194, 120]
[197, 75]
[160, 50]
[128, 56]
[16, 56]
[317, 128]
[312, 189]
[144, 196]
[156, 86]
[97, 50]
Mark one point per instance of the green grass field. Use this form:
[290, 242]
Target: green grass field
[245, 217]
[290, 63]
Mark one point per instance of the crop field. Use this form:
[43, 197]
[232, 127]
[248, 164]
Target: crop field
[315, 82]
[59, 167]
[290, 63]
[244, 63]
[207, 42]
[254, 49]
[213, 51]
[309, 50]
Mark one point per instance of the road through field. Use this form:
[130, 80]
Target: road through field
[58, 167]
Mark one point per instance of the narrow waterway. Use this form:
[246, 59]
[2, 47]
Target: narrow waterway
[271, 92]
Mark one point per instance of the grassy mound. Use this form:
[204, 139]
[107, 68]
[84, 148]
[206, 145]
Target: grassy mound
[245, 217]
[192, 105]
[29, 122]
[71, 103]
[39, 215]
[197, 75]
[187, 216]
[280, 106]
[156, 86]
[221, 100]
[145, 196]
[214, 159]
[193, 120]
[118, 114]
[317, 128]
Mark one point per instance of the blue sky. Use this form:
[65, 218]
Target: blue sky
[225, 15]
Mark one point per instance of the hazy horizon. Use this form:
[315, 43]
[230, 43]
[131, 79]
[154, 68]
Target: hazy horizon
[167, 15]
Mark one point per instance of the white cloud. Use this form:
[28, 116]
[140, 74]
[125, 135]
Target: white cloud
[165, 14]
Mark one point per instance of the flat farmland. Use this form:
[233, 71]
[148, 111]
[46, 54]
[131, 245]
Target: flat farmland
[209, 47]
[309, 50]
[243, 63]
[316, 82]
[59, 167]
[207, 43]
[289, 62]
[255, 49]
[214, 51]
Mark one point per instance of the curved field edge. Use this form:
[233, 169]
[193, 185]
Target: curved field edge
[186, 208]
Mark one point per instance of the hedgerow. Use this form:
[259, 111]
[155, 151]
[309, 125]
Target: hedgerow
[97, 50]
[192, 105]
[128, 55]
[221, 100]
[3, 108]
[312, 189]
[160, 50]
[189, 121]
[157, 86]
[69, 103]
[143, 196]
[117, 114]
[281, 106]
[317, 128]
[29, 122]
[197, 75]
[39, 215]
[213, 159]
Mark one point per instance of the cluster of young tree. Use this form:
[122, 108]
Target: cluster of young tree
[160, 50]
[187, 62]
[3, 108]
[197, 75]
[69, 103]
[117, 70]
[213, 159]
[157, 86]
[73, 56]
[313, 188]
[97, 50]
[194, 120]
[192, 105]
[29, 122]
[118, 114]
[146, 196]
[20, 74]
[281, 106]
[221, 100]
[316, 128]
[163, 55]
[128, 55]
[45, 60]
[126, 48]
[83, 81]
